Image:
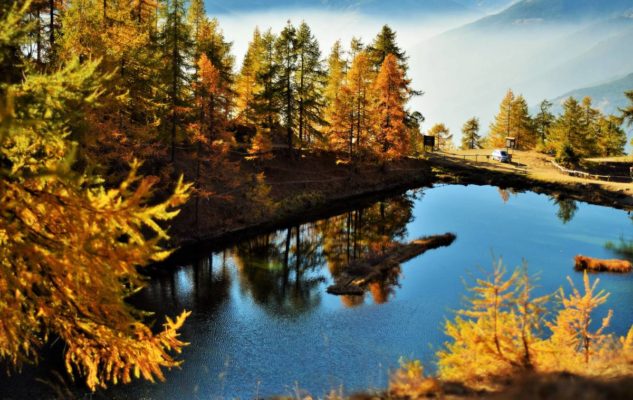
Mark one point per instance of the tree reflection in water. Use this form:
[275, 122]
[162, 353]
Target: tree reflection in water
[282, 269]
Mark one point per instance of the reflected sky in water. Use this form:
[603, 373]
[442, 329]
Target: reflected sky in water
[262, 323]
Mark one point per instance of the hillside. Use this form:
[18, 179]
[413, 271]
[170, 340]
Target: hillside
[528, 13]
[608, 96]
[372, 7]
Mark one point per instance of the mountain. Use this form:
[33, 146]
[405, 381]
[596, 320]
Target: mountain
[608, 97]
[527, 13]
[370, 7]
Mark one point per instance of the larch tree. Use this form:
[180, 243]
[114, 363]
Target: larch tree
[337, 66]
[175, 39]
[443, 136]
[569, 131]
[248, 84]
[504, 122]
[70, 248]
[309, 81]
[286, 88]
[470, 134]
[523, 129]
[391, 94]
[130, 106]
[359, 90]
[611, 138]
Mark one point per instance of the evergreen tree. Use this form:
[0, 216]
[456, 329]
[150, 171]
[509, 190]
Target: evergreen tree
[590, 128]
[267, 102]
[543, 122]
[248, 84]
[470, 134]
[383, 45]
[391, 94]
[175, 39]
[627, 113]
[443, 136]
[286, 90]
[309, 81]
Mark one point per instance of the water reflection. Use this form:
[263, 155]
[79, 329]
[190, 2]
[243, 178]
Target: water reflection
[282, 269]
[566, 209]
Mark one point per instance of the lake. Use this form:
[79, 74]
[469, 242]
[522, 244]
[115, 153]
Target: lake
[262, 323]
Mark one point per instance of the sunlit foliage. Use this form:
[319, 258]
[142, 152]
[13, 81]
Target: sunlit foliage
[503, 332]
[70, 247]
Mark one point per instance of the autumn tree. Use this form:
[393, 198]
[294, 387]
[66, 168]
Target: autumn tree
[611, 138]
[512, 120]
[443, 136]
[391, 94]
[337, 66]
[131, 106]
[266, 102]
[470, 134]
[69, 247]
[248, 83]
[309, 82]
[569, 131]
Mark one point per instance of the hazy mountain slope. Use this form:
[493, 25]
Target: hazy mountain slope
[527, 13]
[372, 7]
[608, 97]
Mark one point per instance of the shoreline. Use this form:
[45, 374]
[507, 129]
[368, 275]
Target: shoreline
[425, 173]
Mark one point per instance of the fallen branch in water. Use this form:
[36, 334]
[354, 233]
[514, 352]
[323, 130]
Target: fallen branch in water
[600, 265]
[374, 267]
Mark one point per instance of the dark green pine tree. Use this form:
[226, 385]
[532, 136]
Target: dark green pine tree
[385, 43]
[175, 39]
[543, 121]
[470, 134]
[627, 113]
[286, 60]
[310, 82]
[266, 102]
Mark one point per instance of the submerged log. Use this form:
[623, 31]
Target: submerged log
[360, 273]
[599, 265]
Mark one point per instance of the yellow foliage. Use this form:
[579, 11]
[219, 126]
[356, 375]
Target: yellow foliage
[409, 382]
[71, 247]
[500, 334]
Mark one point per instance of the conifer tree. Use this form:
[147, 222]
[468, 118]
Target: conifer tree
[70, 247]
[383, 45]
[286, 89]
[267, 103]
[337, 66]
[611, 138]
[627, 113]
[523, 129]
[248, 83]
[543, 122]
[360, 91]
[309, 81]
[176, 42]
[470, 134]
[443, 136]
[568, 131]
[504, 122]
[391, 94]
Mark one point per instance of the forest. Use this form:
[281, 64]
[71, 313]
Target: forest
[116, 115]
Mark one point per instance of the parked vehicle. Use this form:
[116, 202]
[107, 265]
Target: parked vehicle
[501, 155]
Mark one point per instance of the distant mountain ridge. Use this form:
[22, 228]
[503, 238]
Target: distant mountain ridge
[375, 7]
[608, 97]
[538, 12]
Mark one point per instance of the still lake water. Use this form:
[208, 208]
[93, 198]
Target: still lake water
[262, 323]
